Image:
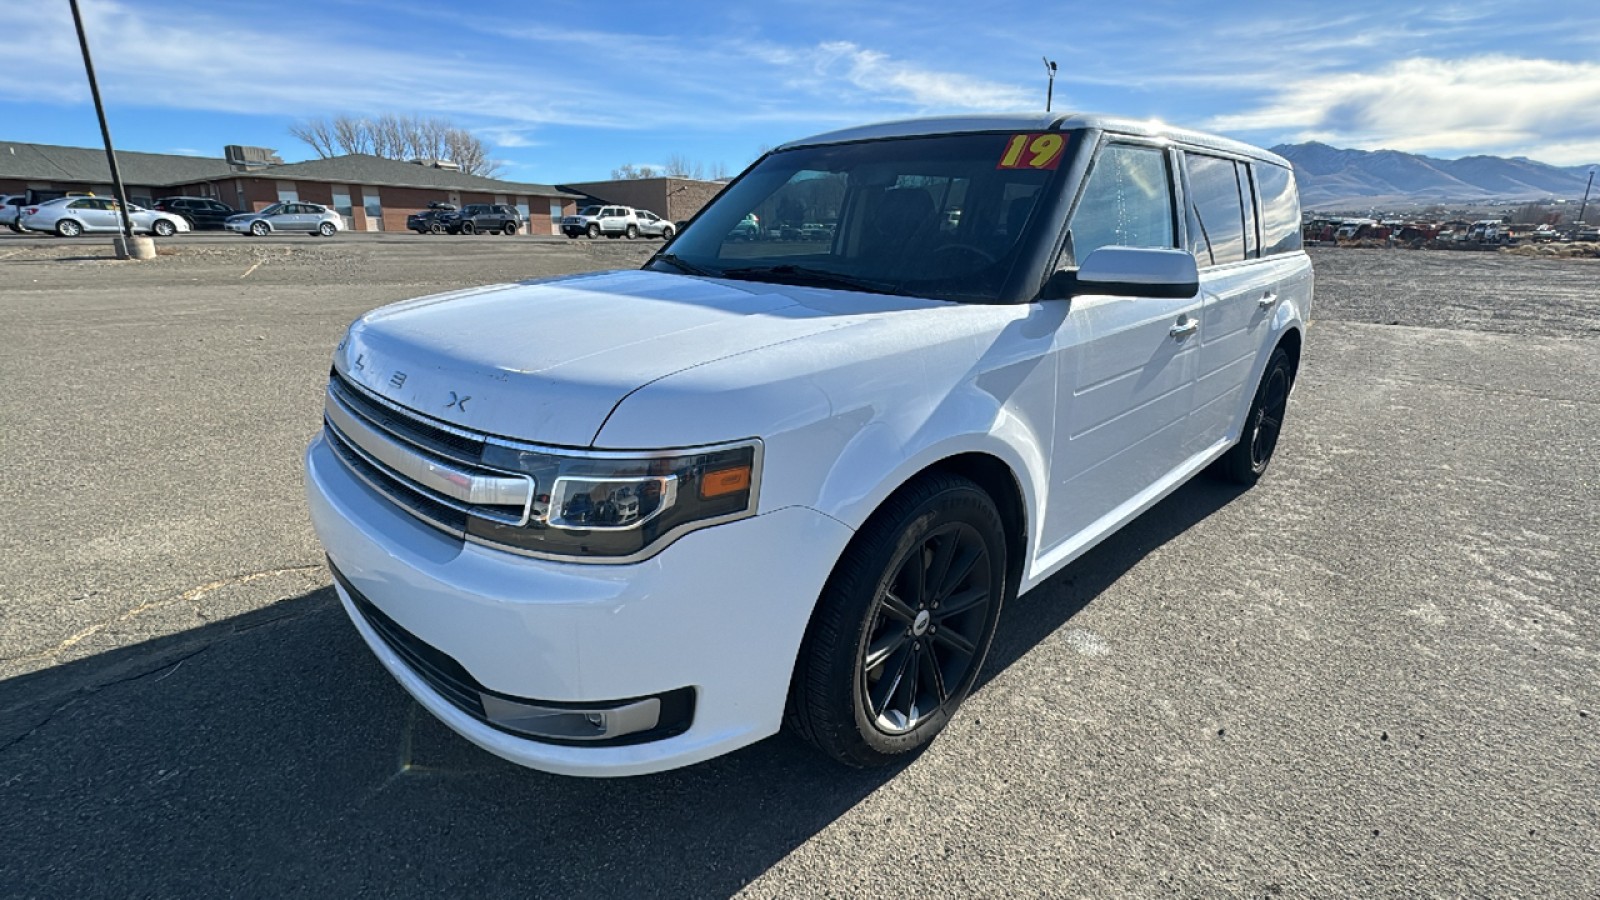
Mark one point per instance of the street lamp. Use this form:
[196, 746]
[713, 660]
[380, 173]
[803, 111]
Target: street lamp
[1585, 207]
[1050, 87]
[125, 247]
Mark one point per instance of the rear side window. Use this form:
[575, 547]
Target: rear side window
[1280, 209]
[1127, 202]
[1216, 210]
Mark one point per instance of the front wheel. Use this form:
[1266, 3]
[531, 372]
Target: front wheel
[163, 228]
[466, 228]
[666, 233]
[509, 229]
[632, 232]
[1247, 460]
[903, 625]
[326, 229]
[594, 231]
[260, 229]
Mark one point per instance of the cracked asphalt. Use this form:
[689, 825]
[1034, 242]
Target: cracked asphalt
[1372, 675]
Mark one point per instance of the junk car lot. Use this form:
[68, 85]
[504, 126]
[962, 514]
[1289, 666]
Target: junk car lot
[1373, 674]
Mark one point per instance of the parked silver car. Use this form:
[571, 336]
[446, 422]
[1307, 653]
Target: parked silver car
[310, 218]
[11, 207]
[652, 225]
[72, 216]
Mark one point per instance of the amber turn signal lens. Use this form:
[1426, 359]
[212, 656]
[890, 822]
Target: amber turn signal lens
[724, 481]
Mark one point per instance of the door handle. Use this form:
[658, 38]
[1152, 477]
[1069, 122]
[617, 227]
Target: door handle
[1184, 328]
[1267, 300]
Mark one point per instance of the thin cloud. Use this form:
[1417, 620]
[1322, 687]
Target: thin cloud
[1541, 108]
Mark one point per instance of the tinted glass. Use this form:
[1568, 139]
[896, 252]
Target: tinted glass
[925, 216]
[1280, 209]
[1216, 215]
[1127, 202]
[1252, 234]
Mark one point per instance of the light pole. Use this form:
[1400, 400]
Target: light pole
[105, 130]
[1050, 86]
[1585, 207]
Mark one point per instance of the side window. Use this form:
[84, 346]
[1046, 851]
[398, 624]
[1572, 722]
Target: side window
[1127, 202]
[1216, 215]
[1280, 209]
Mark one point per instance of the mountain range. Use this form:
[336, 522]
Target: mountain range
[1333, 178]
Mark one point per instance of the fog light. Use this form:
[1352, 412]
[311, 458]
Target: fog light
[572, 724]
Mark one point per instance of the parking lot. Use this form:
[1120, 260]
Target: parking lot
[1372, 675]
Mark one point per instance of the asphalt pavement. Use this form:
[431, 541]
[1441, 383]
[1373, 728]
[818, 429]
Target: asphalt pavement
[1372, 675]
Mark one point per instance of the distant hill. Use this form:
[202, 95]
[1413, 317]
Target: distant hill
[1331, 177]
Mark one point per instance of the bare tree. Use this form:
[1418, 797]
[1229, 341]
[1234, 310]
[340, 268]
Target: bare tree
[318, 133]
[394, 136]
[680, 166]
[631, 172]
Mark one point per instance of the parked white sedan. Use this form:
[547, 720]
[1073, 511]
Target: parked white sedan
[72, 216]
[309, 218]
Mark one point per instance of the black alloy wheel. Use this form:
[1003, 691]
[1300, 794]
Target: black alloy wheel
[1247, 460]
[435, 228]
[465, 227]
[902, 628]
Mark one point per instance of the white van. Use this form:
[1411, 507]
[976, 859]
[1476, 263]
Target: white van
[622, 522]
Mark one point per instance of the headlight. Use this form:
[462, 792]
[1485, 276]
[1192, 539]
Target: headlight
[615, 507]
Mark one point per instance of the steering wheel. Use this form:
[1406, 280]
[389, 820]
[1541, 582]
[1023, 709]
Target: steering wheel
[948, 253]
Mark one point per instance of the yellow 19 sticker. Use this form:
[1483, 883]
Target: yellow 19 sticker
[1033, 151]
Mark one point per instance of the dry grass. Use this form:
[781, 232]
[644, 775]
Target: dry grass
[1556, 251]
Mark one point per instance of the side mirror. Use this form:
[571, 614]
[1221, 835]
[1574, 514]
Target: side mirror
[1128, 272]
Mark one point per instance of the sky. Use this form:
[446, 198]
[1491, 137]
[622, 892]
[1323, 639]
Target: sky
[565, 92]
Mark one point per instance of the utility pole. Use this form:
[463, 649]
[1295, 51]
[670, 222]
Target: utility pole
[1050, 87]
[1585, 207]
[105, 130]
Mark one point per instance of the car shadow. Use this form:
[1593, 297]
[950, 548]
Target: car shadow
[271, 753]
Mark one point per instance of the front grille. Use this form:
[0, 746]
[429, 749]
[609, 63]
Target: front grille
[402, 454]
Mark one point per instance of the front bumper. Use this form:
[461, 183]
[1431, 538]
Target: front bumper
[721, 612]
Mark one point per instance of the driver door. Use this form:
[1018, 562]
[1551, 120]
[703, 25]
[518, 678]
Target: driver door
[1126, 365]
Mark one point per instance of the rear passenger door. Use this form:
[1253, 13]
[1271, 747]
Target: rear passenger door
[1237, 288]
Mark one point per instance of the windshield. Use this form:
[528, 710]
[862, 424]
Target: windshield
[271, 210]
[938, 217]
[590, 211]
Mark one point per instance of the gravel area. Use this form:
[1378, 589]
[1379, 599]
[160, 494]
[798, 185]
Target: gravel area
[1372, 675]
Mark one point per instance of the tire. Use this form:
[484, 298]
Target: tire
[260, 228]
[435, 228]
[68, 228]
[326, 229]
[632, 232]
[163, 228]
[666, 233]
[1247, 460]
[878, 621]
[15, 227]
[509, 229]
[466, 228]
[594, 230]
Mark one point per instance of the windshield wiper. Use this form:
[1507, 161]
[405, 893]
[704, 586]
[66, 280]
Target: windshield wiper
[682, 265]
[801, 275]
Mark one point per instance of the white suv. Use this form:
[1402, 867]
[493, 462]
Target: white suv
[593, 221]
[621, 522]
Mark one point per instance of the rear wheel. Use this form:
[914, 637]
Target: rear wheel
[1247, 460]
[903, 625]
[632, 232]
[435, 228]
[68, 228]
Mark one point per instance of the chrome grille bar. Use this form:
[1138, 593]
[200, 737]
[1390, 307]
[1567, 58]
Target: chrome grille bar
[473, 492]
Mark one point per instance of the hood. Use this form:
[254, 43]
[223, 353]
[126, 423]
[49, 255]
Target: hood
[548, 361]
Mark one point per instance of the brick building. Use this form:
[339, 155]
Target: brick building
[372, 193]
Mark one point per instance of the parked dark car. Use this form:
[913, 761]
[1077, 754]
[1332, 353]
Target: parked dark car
[485, 218]
[433, 220]
[202, 212]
